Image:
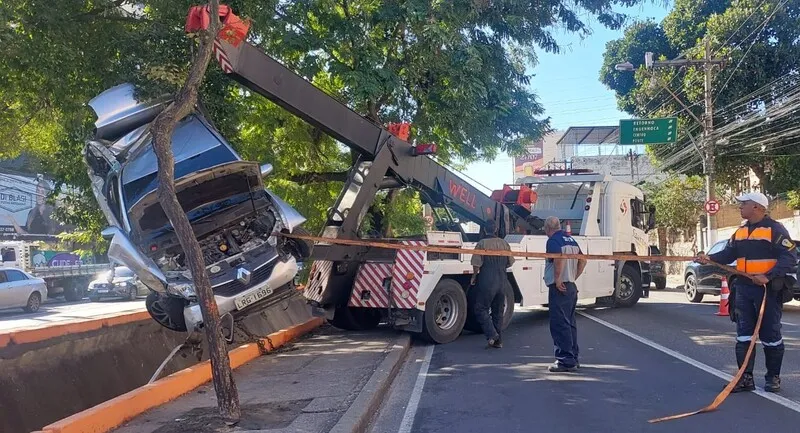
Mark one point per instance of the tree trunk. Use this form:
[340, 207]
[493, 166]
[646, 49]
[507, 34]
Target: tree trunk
[163, 127]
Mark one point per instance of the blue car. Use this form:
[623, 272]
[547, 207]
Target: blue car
[700, 280]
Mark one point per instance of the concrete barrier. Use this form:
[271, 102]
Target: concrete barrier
[48, 375]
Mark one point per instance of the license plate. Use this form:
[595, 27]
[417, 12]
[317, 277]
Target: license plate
[102, 291]
[252, 298]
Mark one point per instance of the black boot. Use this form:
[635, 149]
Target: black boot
[773, 358]
[746, 383]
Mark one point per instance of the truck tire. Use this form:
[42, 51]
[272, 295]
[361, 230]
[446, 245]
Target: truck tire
[167, 311]
[72, 292]
[34, 302]
[356, 319]
[472, 324]
[629, 287]
[445, 312]
[660, 282]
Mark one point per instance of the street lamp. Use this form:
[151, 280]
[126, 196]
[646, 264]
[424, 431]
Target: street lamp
[707, 122]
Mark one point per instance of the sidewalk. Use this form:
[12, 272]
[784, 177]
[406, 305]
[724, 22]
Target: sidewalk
[307, 386]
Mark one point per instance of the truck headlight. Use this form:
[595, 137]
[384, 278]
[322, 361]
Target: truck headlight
[184, 290]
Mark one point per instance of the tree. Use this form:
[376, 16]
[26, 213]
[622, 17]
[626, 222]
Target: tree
[162, 129]
[758, 38]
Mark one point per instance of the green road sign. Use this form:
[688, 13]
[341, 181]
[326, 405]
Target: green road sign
[648, 131]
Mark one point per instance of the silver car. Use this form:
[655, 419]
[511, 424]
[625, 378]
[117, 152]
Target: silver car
[233, 216]
[19, 289]
[120, 282]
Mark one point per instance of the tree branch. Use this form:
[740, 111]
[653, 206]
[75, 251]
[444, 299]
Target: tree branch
[163, 127]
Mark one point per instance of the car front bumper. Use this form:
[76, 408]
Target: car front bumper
[282, 274]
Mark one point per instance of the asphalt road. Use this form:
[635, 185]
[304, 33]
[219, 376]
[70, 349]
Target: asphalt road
[54, 312]
[626, 377]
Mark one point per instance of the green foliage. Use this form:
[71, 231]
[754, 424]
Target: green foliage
[678, 201]
[793, 199]
[758, 40]
[456, 69]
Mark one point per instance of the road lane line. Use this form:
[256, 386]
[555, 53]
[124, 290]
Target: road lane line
[416, 393]
[783, 401]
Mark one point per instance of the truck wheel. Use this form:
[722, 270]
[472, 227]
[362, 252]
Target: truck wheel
[72, 292]
[34, 302]
[690, 287]
[472, 324]
[629, 287]
[660, 282]
[356, 319]
[445, 312]
[167, 311]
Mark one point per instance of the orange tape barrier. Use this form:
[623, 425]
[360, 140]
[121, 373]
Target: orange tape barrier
[34, 335]
[111, 414]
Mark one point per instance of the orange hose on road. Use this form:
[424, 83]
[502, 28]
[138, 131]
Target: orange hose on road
[727, 390]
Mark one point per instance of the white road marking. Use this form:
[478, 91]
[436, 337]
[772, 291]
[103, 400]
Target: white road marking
[416, 394]
[789, 324]
[783, 401]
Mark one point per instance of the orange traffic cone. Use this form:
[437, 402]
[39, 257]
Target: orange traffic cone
[723, 298]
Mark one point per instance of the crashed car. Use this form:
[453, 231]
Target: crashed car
[233, 215]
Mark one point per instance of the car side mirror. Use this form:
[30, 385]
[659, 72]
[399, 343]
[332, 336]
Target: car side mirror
[266, 170]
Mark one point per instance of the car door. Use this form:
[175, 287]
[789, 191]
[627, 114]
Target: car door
[710, 275]
[6, 292]
[20, 286]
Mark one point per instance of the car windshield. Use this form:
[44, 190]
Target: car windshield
[119, 272]
[195, 148]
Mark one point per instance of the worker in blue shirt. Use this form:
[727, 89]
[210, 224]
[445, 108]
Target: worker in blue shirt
[560, 276]
[761, 247]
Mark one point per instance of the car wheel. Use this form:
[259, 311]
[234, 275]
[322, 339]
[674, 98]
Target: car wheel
[34, 302]
[690, 286]
[167, 311]
[445, 312]
[132, 293]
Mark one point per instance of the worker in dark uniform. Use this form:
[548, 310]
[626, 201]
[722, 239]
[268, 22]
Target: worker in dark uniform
[560, 276]
[761, 247]
[489, 278]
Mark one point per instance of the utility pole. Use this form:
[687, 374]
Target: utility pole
[707, 122]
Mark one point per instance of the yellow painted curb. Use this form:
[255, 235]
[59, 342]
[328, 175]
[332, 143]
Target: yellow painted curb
[34, 335]
[113, 413]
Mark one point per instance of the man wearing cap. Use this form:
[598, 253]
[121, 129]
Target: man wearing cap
[761, 247]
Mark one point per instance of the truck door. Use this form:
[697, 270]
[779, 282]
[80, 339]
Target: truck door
[9, 257]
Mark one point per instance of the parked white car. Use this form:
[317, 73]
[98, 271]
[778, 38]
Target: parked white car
[19, 289]
[122, 283]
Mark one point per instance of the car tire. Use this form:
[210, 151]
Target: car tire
[445, 312]
[660, 282]
[34, 302]
[690, 287]
[167, 311]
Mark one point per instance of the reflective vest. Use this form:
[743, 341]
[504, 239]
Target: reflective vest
[756, 254]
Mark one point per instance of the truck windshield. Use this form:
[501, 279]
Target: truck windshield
[195, 148]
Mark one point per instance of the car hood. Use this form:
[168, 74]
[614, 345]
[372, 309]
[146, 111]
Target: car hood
[201, 194]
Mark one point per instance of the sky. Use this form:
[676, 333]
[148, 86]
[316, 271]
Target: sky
[568, 87]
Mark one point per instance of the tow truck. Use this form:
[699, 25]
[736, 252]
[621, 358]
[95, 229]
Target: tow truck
[357, 287]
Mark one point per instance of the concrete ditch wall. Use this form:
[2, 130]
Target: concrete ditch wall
[45, 381]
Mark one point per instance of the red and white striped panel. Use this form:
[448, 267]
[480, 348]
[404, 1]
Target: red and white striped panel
[370, 279]
[407, 275]
[318, 280]
[222, 58]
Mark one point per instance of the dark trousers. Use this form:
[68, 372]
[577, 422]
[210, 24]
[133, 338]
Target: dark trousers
[489, 300]
[747, 304]
[562, 323]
